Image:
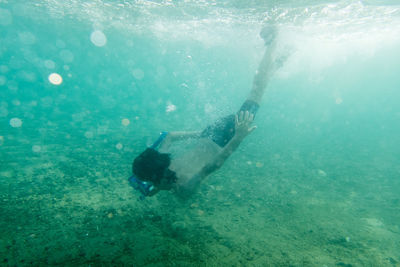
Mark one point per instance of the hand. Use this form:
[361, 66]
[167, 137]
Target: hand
[242, 124]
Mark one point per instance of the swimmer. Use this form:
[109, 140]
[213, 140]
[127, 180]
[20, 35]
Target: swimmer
[155, 170]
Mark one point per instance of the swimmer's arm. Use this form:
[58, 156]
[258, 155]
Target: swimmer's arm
[179, 136]
[242, 129]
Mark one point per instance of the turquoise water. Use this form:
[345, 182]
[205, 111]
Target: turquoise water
[86, 85]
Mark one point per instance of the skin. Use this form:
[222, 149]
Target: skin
[207, 157]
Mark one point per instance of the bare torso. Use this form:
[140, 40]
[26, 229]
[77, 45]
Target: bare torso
[187, 164]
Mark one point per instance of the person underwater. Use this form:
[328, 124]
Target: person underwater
[155, 170]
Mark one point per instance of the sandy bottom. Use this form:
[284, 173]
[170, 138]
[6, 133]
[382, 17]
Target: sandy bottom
[79, 210]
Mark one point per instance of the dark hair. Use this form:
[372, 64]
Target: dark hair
[152, 166]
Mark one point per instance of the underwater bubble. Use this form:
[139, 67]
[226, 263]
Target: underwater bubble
[55, 78]
[101, 130]
[98, 38]
[3, 80]
[36, 148]
[138, 74]
[259, 164]
[16, 102]
[27, 38]
[67, 56]
[338, 100]
[66, 67]
[125, 122]
[49, 64]
[118, 146]
[1, 140]
[5, 17]
[89, 134]
[170, 107]
[15, 122]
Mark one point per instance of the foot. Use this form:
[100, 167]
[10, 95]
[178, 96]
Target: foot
[268, 33]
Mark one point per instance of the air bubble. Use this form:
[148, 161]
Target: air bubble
[55, 78]
[98, 38]
[170, 107]
[49, 64]
[36, 148]
[16, 102]
[138, 74]
[67, 56]
[125, 122]
[16, 122]
[118, 146]
[89, 135]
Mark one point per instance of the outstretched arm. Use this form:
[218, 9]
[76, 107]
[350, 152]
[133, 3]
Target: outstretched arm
[178, 136]
[266, 67]
[242, 129]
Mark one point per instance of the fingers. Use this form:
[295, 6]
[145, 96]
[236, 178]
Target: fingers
[244, 117]
[252, 128]
[251, 117]
[241, 114]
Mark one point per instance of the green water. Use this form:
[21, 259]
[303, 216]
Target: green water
[317, 184]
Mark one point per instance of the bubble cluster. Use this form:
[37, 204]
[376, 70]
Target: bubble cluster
[98, 38]
[55, 79]
[16, 122]
[125, 122]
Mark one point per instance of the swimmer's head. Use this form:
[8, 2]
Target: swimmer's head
[152, 166]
